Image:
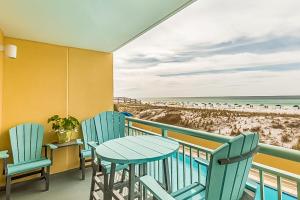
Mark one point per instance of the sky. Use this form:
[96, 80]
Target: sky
[215, 48]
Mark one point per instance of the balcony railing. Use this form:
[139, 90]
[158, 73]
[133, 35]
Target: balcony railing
[185, 171]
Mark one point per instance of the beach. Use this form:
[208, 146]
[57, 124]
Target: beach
[276, 124]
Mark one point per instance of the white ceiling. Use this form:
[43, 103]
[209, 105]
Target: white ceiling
[102, 25]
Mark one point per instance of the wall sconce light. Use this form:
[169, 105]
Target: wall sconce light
[10, 50]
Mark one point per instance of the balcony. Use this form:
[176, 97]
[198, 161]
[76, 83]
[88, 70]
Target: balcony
[272, 183]
[62, 63]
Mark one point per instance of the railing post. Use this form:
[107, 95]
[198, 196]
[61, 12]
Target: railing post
[183, 162]
[279, 187]
[261, 181]
[129, 125]
[298, 190]
[164, 132]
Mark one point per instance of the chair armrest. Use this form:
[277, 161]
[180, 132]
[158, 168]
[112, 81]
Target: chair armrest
[93, 144]
[158, 192]
[251, 185]
[51, 146]
[79, 142]
[202, 161]
[4, 154]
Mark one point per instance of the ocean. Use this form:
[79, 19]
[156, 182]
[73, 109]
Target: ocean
[240, 100]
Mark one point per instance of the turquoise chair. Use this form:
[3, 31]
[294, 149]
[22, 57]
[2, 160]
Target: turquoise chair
[227, 173]
[107, 126]
[89, 135]
[26, 144]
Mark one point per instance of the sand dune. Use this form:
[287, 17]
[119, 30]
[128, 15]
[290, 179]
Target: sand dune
[276, 128]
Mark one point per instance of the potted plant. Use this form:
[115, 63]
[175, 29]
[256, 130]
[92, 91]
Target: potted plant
[64, 127]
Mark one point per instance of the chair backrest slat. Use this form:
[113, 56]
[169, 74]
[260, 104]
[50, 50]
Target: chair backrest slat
[103, 126]
[21, 143]
[33, 139]
[116, 125]
[110, 125]
[88, 132]
[248, 166]
[14, 144]
[216, 173]
[26, 142]
[228, 181]
[93, 131]
[39, 142]
[97, 120]
[242, 167]
[122, 125]
[27, 131]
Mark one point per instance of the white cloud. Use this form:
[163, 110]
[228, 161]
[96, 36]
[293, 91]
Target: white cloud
[205, 23]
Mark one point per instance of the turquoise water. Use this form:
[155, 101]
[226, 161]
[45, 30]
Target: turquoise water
[270, 193]
[254, 100]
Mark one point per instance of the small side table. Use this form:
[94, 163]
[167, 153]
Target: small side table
[74, 142]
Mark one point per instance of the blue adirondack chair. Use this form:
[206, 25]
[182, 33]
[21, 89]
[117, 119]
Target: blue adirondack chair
[107, 125]
[227, 173]
[89, 135]
[26, 143]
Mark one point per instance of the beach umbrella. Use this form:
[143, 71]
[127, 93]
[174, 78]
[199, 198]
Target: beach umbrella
[296, 106]
[278, 106]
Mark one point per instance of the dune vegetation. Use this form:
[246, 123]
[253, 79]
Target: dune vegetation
[274, 128]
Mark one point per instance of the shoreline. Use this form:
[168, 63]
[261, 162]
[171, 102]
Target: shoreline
[262, 108]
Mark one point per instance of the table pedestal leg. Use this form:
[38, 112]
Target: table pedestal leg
[131, 181]
[166, 175]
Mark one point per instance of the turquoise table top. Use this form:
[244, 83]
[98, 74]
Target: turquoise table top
[137, 149]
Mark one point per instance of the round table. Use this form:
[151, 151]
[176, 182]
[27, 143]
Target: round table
[134, 150]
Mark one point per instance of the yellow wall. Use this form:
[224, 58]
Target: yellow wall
[47, 79]
[1, 82]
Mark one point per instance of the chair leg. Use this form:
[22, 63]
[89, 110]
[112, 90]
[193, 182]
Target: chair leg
[8, 187]
[105, 189]
[82, 168]
[123, 179]
[92, 187]
[47, 178]
[94, 168]
[43, 172]
[80, 162]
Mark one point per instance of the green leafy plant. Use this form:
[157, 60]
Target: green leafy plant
[60, 124]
